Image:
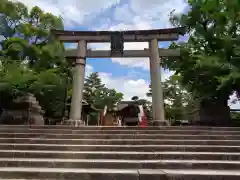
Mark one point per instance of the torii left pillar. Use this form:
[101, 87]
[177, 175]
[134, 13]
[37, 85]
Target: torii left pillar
[78, 84]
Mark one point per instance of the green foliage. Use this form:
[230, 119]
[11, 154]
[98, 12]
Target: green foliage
[32, 60]
[10, 15]
[27, 35]
[209, 63]
[97, 94]
[93, 88]
[15, 79]
[50, 88]
[235, 116]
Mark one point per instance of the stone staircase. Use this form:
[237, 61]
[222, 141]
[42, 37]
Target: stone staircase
[119, 153]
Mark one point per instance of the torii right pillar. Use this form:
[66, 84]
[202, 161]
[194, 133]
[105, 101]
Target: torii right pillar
[156, 83]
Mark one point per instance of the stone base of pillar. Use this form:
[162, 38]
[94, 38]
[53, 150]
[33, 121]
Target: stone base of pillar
[75, 123]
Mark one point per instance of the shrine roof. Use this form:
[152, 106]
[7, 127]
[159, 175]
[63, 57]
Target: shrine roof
[179, 30]
[123, 104]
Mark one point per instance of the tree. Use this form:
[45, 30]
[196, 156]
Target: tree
[93, 87]
[49, 88]
[15, 80]
[209, 63]
[97, 94]
[27, 36]
[32, 60]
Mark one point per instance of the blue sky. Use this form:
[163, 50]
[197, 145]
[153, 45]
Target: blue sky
[129, 76]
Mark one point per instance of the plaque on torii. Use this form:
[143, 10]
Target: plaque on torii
[117, 44]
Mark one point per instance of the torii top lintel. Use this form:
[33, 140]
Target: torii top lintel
[128, 36]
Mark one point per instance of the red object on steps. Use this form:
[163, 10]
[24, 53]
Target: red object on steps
[143, 122]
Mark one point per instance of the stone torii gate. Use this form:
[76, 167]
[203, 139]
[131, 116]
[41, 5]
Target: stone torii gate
[117, 39]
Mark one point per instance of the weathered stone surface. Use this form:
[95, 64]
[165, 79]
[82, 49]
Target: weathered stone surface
[121, 142]
[82, 130]
[24, 110]
[121, 136]
[120, 155]
[120, 148]
[188, 174]
[67, 173]
[132, 129]
[106, 174]
[119, 163]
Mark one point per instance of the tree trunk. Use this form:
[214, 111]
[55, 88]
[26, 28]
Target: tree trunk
[214, 112]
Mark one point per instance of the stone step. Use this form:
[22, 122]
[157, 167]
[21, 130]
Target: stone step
[119, 127]
[134, 148]
[121, 131]
[119, 163]
[42, 140]
[119, 136]
[120, 155]
[116, 174]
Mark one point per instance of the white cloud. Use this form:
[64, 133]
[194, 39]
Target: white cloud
[235, 106]
[88, 70]
[1, 38]
[156, 12]
[132, 14]
[72, 11]
[234, 102]
[128, 86]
